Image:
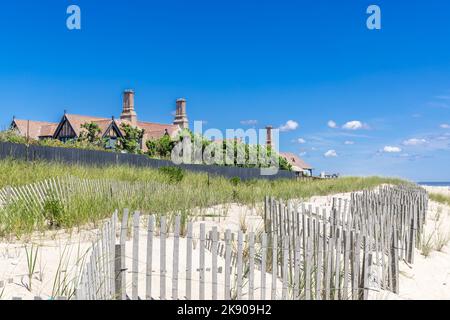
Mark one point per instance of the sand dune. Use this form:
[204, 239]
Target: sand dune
[61, 254]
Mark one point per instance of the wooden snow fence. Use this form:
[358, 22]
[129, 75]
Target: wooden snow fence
[171, 261]
[339, 252]
[34, 196]
[350, 248]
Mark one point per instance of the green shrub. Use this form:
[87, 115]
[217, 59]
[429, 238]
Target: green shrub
[53, 212]
[174, 174]
[12, 136]
[235, 181]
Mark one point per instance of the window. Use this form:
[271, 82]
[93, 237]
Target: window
[111, 144]
[65, 139]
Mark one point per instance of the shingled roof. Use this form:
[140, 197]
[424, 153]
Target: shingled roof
[34, 129]
[76, 121]
[297, 163]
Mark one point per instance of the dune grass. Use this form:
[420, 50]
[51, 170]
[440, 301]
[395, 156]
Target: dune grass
[443, 199]
[162, 193]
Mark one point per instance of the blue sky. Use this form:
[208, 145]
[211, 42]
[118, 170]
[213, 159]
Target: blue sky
[235, 60]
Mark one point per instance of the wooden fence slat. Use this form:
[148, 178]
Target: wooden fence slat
[346, 264]
[263, 265]
[319, 269]
[366, 268]
[149, 262]
[123, 239]
[395, 255]
[327, 277]
[189, 262]
[104, 261]
[285, 270]
[356, 268]
[214, 252]
[239, 266]
[308, 269]
[113, 254]
[163, 234]
[297, 243]
[176, 252]
[251, 266]
[135, 264]
[274, 266]
[337, 273]
[227, 264]
[202, 261]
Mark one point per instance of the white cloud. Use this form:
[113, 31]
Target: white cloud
[349, 143]
[249, 122]
[301, 141]
[390, 149]
[414, 142]
[405, 155]
[445, 126]
[302, 154]
[332, 124]
[289, 126]
[330, 154]
[354, 125]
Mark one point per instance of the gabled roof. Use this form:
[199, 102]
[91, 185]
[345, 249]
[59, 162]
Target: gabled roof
[297, 163]
[152, 130]
[157, 130]
[48, 130]
[34, 129]
[76, 121]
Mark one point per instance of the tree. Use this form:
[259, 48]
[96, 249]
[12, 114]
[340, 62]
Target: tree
[91, 133]
[131, 140]
[164, 146]
[151, 148]
[161, 147]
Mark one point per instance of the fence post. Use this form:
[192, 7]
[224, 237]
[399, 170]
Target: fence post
[189, 261]
[202, 262]
[118, 271]
[135, 263]
[123, 239]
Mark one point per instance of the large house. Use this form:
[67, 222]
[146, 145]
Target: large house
[298, 164]
[70, 126]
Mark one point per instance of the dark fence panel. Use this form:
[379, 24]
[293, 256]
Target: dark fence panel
[13, 150]
[103, 158]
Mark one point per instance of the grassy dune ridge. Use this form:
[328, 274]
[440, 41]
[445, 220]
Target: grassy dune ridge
[443, 199]
[163, 196]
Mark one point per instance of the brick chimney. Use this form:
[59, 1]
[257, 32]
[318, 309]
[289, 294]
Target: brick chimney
[269, 136]
[128, 112]
[181, 118]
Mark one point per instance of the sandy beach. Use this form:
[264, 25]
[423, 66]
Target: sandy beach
[60, 255]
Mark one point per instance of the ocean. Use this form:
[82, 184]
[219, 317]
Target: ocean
[435, 184]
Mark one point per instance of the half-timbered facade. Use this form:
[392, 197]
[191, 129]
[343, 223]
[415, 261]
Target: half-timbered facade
[70, 126]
